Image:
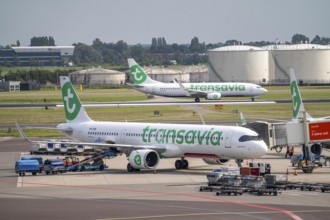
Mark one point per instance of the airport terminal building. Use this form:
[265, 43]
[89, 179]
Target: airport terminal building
[37, 56]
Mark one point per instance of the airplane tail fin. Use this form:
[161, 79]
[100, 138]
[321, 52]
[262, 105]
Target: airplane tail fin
[74, 111]
[243, 121]
[297, 103]
[139, 77]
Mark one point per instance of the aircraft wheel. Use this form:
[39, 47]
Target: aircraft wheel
[130, 168]
[101, 167]
[197, 99]
[278, 149]
[185, 164]
[179, 164]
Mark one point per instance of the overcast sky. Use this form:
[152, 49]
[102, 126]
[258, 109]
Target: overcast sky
[138, 21]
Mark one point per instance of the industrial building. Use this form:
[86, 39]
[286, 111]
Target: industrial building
[270, 64]
[97, 76]
[188, 74]
[37, 56]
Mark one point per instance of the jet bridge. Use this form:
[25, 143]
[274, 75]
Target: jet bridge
[309, 134]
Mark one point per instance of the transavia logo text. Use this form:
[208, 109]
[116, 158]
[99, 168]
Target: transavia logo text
[218, 87]
[173, 136]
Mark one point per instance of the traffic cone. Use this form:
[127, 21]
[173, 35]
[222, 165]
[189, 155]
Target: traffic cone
[295, 173]
[287, 171]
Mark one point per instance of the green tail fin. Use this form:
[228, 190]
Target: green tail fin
[297, 103]
[139, 77]
[74, 111]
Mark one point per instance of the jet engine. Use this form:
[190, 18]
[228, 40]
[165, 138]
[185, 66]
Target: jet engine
[215, 161]
[143, 159]
[316, 149]
[213, 96]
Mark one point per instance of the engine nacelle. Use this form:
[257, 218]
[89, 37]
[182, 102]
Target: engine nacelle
[213, 96]
[316, 149]
[143, 159]
[215, 161]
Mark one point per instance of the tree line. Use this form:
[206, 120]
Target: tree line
[157, 53]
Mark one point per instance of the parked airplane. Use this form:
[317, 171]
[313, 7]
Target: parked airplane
[145, 143]
[214, 91]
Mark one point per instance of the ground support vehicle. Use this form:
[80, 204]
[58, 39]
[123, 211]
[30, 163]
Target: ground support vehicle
[38, 158]
[27, 166]
[307, 166]
[94, 162]
[54, 166]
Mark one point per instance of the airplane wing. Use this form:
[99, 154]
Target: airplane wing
[190, 92]
[101, 145]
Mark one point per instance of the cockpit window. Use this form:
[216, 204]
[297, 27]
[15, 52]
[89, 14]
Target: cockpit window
[249, 138]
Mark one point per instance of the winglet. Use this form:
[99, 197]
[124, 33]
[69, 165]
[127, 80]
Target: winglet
[19, 129]
[243, 121]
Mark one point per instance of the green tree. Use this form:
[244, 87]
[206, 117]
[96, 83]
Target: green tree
[299, 39]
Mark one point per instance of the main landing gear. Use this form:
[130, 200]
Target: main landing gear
[197, 99]
[239, 162]
[181, 164]
[131, 169]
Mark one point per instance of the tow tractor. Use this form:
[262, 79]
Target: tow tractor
[94, 162]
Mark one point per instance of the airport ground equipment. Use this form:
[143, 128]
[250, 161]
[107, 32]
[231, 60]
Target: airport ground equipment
[265, 168]
[38, 158]
[54, 166]
[27, 166]
[94, 162]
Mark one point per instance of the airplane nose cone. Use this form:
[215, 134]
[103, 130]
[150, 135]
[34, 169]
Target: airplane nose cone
[263, 148]
[263, 91]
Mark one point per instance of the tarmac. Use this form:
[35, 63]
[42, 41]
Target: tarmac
[164, 193]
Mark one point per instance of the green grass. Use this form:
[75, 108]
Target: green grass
[177, 114]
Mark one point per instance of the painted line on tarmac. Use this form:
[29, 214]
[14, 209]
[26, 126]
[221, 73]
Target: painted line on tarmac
[279, 210]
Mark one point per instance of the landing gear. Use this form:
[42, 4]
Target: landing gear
[181, 164]
[131, 169]
[252, 99]
[197, 99]
[239, 162]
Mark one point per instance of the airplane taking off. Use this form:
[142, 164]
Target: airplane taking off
[145, 143]
[213, 91]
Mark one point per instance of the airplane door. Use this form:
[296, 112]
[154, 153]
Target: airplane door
[228, 136]
[122, 136]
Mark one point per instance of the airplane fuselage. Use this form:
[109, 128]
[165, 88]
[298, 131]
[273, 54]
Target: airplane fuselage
[225, 89]
[177, 140]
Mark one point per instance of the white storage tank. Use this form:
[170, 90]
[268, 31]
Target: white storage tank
[166, 75]
[310, 61]
[238, 63]
[97, 76]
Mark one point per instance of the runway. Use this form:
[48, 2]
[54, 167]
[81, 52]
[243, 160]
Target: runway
[166, 194]
[163, 102]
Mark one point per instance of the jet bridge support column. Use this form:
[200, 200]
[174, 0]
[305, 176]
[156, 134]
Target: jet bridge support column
[307, 164]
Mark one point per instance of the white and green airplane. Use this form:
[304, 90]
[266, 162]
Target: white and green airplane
[145, 143]
[213, 91]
